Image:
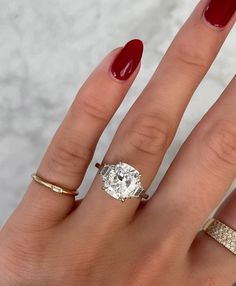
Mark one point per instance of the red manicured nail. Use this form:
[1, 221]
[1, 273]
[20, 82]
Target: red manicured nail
[127, 60]
[219, 12]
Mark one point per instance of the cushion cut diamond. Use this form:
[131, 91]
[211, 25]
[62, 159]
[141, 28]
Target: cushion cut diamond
[121, 181]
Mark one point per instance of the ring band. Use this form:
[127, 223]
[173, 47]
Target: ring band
[53, 187]
[222, 233]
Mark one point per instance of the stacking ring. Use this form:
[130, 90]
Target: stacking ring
[222, 233]
[53, 187]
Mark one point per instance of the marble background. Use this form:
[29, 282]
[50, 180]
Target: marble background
[47, 49]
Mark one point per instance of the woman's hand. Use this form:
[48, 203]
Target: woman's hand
[53, 240]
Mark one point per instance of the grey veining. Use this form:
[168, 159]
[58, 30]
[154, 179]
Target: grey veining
[47, 49]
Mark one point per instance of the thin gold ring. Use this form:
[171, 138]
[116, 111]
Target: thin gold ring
[53, 187]
[222, 233]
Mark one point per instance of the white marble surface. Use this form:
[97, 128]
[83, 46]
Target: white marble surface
[47, 49]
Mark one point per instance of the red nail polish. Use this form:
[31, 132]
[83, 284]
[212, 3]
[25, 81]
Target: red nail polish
[219, 12]
[127, 60]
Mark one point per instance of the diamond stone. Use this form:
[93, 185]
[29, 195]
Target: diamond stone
[223, 234]
[121, 181]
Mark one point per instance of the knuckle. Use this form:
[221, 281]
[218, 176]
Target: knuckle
[221, 144]
[158, 255]
[92, 107]
[69, 157]
[150, 134]
[191, 57]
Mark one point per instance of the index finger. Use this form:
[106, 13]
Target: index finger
[71, 150]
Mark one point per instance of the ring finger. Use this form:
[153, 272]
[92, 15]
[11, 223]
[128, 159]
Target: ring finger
[147, 130]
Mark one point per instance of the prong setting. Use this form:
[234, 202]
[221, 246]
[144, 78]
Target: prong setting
[121, 181]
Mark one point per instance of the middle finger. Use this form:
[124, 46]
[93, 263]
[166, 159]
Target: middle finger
[147, 130]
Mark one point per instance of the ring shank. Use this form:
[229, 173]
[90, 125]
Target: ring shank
[222, 233]
[53, 187]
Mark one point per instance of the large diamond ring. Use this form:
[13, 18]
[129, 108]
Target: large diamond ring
[121, 181]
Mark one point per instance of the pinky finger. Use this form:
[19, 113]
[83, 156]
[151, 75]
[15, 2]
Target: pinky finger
[210, 260]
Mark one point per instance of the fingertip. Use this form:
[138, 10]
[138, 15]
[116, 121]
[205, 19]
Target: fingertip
[127, 60]
[218, 14]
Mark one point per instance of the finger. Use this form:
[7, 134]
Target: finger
[208, 258]
[204, 168]
[73, 145]
[147, 130]
[77, 204]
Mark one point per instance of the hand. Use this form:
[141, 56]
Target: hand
[51, 239]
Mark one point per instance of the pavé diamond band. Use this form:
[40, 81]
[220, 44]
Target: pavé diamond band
[121, 181]
[222, 233]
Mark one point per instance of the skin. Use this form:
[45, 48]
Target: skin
[51, 239]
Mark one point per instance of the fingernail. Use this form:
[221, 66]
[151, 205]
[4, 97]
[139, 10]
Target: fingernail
[219, 12]
[127, 60]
